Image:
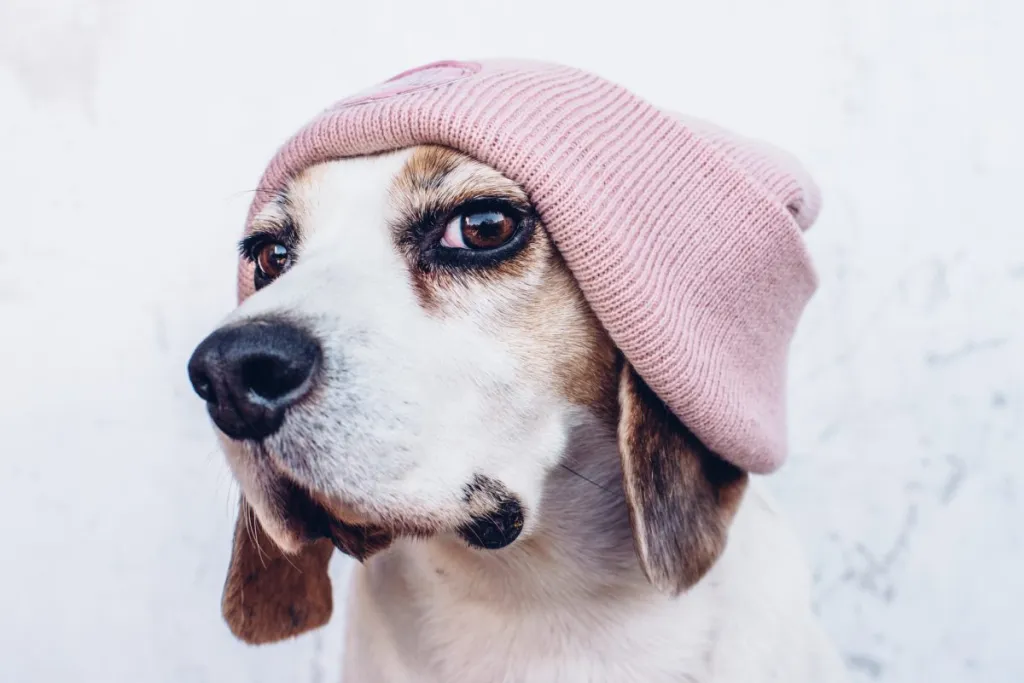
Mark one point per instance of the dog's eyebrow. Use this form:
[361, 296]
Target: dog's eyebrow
[275, 220]
[437, 180]
[275, 223]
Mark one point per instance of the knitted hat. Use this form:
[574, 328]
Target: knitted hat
[685, 240]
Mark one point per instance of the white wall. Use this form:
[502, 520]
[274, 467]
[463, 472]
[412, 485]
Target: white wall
[131, 133]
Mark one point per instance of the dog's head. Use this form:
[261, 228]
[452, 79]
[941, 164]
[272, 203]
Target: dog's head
[412, 362]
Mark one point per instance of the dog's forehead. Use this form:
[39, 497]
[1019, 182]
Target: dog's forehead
[340, 192]
[401, 182]
[440, 174]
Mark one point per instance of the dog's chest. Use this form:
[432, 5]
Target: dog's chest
[438, 635]
[564, 644]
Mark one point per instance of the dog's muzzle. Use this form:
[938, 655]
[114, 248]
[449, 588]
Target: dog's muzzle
[249, 374]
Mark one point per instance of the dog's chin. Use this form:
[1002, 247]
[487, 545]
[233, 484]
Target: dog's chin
[294, 514]
[304, 517]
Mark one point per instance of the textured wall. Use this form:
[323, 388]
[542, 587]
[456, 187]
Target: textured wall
[131, 133]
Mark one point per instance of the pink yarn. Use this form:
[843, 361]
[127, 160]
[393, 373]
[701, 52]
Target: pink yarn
[685, 239]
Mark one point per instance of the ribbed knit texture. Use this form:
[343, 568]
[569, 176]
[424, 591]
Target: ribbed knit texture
[685, 239]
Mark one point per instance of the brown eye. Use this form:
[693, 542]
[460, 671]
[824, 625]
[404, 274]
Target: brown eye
[481, 230]
[272, 259]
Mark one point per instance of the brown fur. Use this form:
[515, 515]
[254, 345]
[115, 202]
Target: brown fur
[681, 496]
[430, 177]
[268, 595]
[434, 182]
[576, 349]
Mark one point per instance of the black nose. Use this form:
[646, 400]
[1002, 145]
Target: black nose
[249, 374]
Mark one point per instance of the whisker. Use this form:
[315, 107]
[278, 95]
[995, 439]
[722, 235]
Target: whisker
[250, 522]
[586, 479]
[252, 191]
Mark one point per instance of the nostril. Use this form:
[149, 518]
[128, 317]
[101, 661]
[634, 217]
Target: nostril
[204, 387]
[271, 378]
[199, 373]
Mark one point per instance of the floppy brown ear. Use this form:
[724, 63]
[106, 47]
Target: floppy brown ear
[269, 595]
[681, 496]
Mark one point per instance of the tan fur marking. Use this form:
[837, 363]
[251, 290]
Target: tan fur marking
[567, 341]
[435, 181]
[441, 176]
[560, 337]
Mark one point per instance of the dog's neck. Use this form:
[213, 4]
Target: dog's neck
[580, 547]
[569, 601]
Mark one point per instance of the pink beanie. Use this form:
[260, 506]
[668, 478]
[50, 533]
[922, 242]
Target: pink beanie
[686, 240]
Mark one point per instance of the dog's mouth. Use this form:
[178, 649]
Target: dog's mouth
[310, 519]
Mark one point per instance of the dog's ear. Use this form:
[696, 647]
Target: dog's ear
[681, 496]
[270, 595]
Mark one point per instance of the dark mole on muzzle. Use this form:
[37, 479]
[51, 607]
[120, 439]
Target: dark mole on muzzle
[495, 530]
[501, 519]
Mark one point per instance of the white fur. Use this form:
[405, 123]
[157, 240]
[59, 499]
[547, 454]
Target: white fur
[747, 621]
[415, 403]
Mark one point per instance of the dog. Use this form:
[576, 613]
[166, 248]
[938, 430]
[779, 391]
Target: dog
[419, 381]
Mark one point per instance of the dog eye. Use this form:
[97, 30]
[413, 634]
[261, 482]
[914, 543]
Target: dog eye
[272, 259]
[479, 230]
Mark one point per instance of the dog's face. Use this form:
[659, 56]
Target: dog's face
[413, 360]
[454, 351]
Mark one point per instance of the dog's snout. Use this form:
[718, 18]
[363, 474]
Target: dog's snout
[249, 374]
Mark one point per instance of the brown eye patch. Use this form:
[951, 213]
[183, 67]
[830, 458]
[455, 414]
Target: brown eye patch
[493, 225]
[456, 218]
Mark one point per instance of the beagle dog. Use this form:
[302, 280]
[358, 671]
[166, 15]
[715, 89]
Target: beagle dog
[419, 382]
